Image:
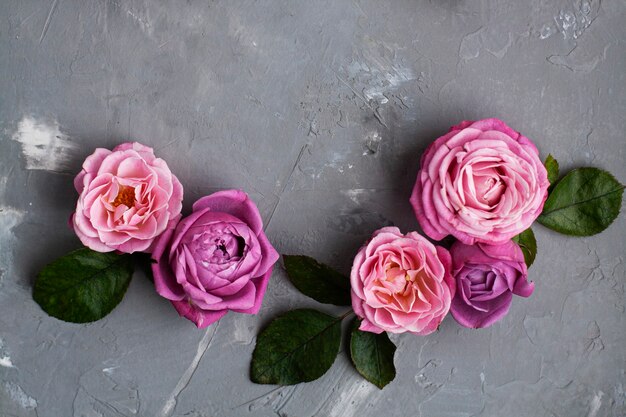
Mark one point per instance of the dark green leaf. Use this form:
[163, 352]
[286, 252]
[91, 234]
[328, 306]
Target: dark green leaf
[372, 355]
[552, 166]
[84, 285]
[583, 203]
[298, 346]
[317, 280]
[527, 242]
[143, 263]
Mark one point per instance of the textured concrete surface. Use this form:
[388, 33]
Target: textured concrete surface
[320, 111]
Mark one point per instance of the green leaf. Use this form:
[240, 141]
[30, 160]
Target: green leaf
[552, 166]
[583, 203]
[84, 285]
[372, 355]
[527, 242]
[317, 280]
[143, 263]
[299, 346]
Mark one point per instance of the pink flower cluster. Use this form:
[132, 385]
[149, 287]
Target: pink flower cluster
[482, 183]
[215, 260]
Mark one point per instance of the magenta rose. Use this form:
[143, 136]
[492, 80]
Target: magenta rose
[481, 182]
[401, 283]
[487, 276]
[217, 259]
[128, 197]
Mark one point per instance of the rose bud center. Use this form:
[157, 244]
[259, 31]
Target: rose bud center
[227, 247]
[217, 247]
[125, 196]
[481, 281]
[489, 186]
[396, 278]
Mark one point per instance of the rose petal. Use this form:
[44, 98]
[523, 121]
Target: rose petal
[469, 317]
[235, 203]
[202, 318]
[260, 285]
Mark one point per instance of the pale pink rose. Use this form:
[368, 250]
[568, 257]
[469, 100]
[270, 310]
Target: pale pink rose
[128, 197]
[401, 283]
[481, 182]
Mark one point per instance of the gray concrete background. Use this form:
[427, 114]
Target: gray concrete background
[320, 111]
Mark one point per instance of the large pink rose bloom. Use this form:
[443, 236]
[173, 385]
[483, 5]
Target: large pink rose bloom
[481, 182]
[128, 197]
[217, 259]
[401, 283]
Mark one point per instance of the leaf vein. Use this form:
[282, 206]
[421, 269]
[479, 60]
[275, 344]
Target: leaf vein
[581, 202]
[300, 346]
[84, 281]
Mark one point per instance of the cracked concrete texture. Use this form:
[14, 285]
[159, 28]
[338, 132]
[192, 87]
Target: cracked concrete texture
[320, 111]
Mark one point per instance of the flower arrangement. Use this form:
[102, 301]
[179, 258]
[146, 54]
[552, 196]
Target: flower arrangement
[484, 184]
[215, 260]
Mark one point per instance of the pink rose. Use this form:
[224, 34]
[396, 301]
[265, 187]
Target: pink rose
[481, 182]
[487, 276]
[217, 259]
[128, 197]
[401, 283]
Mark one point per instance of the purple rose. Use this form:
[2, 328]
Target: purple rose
[487, 276]
[217, 259]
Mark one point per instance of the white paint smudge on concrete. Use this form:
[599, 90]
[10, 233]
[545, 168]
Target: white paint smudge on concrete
[6, 362]
[9, 219]
[546, 31]
[203, 346]
[388, 81]
[17, 394]
[141, 16]
[355, 194]
[379, 78]
[372, 143]
[242, 332]
[572, 22]
[596, 403]
[44, 146]
[109, 371]
[357, 393]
